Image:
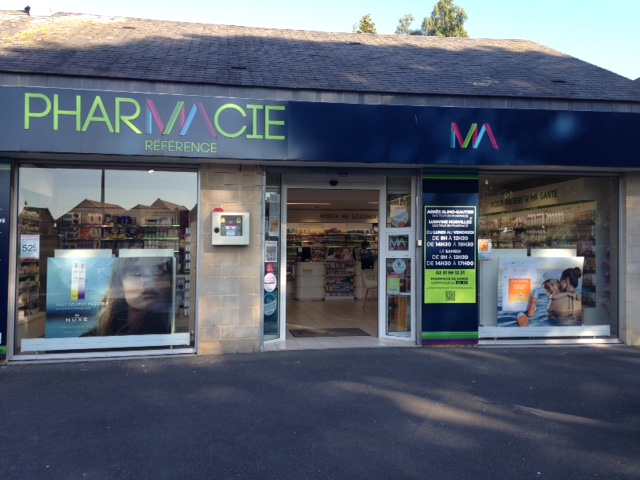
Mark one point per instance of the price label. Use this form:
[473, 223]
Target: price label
[29, 247]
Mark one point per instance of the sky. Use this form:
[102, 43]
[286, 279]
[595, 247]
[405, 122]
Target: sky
[602, 32]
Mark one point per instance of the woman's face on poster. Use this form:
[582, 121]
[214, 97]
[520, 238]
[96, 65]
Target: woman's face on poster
[146, 284]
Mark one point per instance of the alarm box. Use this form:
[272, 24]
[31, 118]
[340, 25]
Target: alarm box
[230, 228]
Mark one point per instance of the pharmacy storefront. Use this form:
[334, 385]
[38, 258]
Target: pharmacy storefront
[159, 224]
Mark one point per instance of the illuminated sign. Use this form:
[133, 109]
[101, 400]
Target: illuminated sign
[149, 124]
[450, 259]
[473, 137]
[168, 125]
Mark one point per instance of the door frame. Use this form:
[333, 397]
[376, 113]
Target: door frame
[352, 182]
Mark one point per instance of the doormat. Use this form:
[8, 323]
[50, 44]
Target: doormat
[328, 332]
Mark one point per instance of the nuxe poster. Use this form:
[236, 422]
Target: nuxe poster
[109, 296]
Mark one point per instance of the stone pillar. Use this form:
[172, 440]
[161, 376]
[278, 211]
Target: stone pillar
[230, 277]
[630, 264]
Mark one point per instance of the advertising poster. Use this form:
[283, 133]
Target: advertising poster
[450, 263]
[540, 291]
[485, 249]
[75, 294]
[29, 247]
[109, 296]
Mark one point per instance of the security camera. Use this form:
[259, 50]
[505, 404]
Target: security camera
[333, 183]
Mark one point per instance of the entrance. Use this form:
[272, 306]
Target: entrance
[343, 285]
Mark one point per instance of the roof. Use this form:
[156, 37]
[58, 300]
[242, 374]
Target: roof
[151, 50]
[93, 204]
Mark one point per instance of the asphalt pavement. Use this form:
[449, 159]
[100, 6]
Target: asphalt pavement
[380, 413]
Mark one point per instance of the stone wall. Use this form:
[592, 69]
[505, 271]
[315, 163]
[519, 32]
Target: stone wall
[630, 263]
[229, 277]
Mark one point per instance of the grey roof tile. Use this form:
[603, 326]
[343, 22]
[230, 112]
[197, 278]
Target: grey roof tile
[138, 49]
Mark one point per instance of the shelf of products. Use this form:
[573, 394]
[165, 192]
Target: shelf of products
[28, 269]
[316, 243]
[183, 295]
[570, 226]
[164, 230]
[336, 250]
[339, 272]
[561, 227]
[183, 279]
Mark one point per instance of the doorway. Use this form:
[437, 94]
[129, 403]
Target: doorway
[332, 287]
[325, 218]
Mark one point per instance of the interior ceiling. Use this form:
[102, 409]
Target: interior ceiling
[340, 199]
[337, 199]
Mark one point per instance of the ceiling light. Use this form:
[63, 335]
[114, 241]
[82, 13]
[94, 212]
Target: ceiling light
[307, 203]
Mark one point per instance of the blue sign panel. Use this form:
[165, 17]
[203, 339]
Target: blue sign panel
[182, 126]
[118, 123]
[449, 309]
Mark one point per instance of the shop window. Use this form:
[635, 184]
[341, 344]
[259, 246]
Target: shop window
[548, 256]
[271, 298]
[105, 259]
[398, 202]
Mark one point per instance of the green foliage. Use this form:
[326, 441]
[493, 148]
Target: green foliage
[447, 20]
[404, 25]
[366, 25]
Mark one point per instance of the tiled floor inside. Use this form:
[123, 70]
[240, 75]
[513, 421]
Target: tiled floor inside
[336, 313]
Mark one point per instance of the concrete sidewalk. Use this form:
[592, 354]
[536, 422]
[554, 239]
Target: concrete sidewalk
[525, 413]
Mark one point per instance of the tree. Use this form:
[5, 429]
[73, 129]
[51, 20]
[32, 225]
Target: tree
[366, 25]
[447, 20]
[404, 26]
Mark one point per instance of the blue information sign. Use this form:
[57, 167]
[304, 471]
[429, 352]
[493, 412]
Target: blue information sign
[450, 260]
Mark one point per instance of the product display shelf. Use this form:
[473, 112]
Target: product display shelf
[560, 227]
[183, 283]
[28, 270]
[292, 258]
[339, 272]
[566, 227]
[119, 237]
[183, 292]
[339, 279]
[318, 242]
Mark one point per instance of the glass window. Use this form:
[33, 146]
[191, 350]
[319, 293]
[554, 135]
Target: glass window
[548, 256]
[104, 253]
[398, 202]
[272, 263]
[398, 278]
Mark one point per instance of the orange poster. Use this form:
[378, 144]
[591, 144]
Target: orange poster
[519, 289]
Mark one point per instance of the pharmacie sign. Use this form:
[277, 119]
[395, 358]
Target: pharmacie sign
[71, 121]
[55, 120]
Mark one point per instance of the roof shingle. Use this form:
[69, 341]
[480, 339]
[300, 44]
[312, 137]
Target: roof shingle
[138, 49]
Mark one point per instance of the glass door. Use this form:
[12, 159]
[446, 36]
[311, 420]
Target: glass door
[397, 247]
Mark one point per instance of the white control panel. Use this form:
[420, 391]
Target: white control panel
[230, 228]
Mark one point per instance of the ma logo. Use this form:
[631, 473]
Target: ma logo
[473, 137]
